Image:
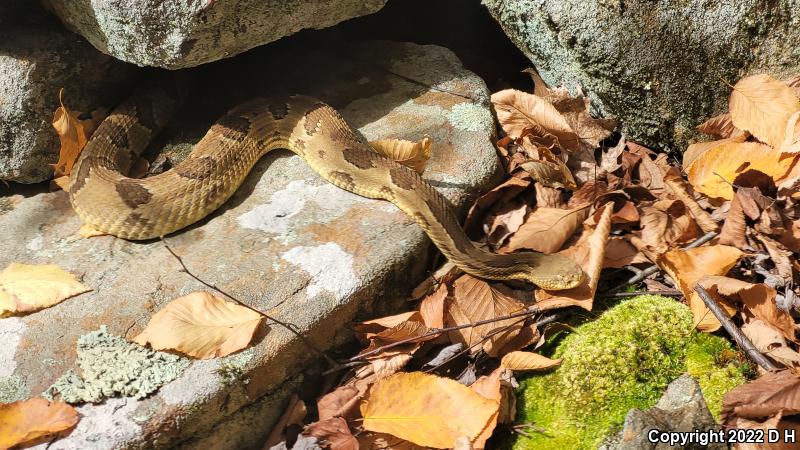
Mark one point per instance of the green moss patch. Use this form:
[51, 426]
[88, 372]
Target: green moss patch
[622, 360]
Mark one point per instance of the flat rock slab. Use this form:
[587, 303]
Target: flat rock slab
[176, 34]
[287, 243]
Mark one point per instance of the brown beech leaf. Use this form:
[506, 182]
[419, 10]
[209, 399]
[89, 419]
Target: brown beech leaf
[341, 402]
[474, 300]
[495, 386]
[432, 307]
[687, 266]
[412, 154]
[762, 105]
[506, 221]
[714, 172]
[591, 262]
[665, 224]
[759, 299]
[720, 127]
[72, 134]
[771, 425]
[528, 361]
[517, 110]
[680, 189]
[33, 421]
[333, 433]
[770, 394]
[498, 195]
[426, 409]
[734, 230]
[620, 253]
[591, 131]
[27, 288]
[370, 328]
[546, 229]
[697, 149]
[770, 341]
[201, 325]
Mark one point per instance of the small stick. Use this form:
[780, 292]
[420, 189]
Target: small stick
[288, 326]
[741, 340]
[634, 294]
[437, 331]
[650, 270]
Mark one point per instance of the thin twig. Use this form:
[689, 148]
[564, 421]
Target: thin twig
[741, 340]
[634, 294]
[437, 331]
[288, 326]
[650, 270]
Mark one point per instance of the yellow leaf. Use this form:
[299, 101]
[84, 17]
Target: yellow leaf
[791, 141]
[686, 267]
[26, 288]
[72, 134]
[426, 409]
[528, 361]
[201, 325]
[517, 110]
[762, 105]
[412, 154]
[33, 421]
[713, 172]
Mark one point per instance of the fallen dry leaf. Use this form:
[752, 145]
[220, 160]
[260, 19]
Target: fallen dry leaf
[734, 230]
[426, 409]
[72, 134]
[680, 189]
[333, 433]
[591, 262]
[412, 154]
[33, 421]
[493, 388]
[294, 414]
[791, 140]
[774, 424]
[665, 224]
[27, 288]
[432, 307]
[687, 266]
[770, 342]
[758, 298]
[201, 325]
[517, 110]
[528, 361]
[713, 172]
[546, 229]
[762, 106]
[770, 394]
[474, 300]
[341, 402]
[720, 126]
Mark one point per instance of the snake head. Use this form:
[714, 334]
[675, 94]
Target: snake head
[552, 272]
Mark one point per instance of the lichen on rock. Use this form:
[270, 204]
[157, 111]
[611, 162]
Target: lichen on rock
[623, 360]
[111, 366]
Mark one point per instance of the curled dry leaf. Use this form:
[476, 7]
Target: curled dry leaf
[27, 288]
[665, 224]
[73, 136]
[758, 298]
[528, 361]
[426, 409]
[762, 106]
[517, 110]
[475, 300]
[32, 421]
[546, 229]
[202, 326]
[342, 402]
[432, 307]
[412, 154]
[714, 172]
[591, 262]
[495, 386]
[770, 394]
[770, 342]
[680, 189]
[720, 127]
[687, 266]
[734, 230]
[333, 433]
[294, 414]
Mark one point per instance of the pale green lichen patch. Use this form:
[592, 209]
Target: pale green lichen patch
[12, 389]
[111, 366]
[622, 360]
[470, 117]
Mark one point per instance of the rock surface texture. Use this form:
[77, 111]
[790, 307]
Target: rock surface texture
[657, 65]
[287, 243]
[176, 34]
[36, 61]
[681, 409]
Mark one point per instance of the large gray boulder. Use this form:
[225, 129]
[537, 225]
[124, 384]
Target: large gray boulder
[176, 34]
[661, 66]
[36, 61]
[287, 243]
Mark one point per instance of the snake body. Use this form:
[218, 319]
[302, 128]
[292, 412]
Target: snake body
[137, 209]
